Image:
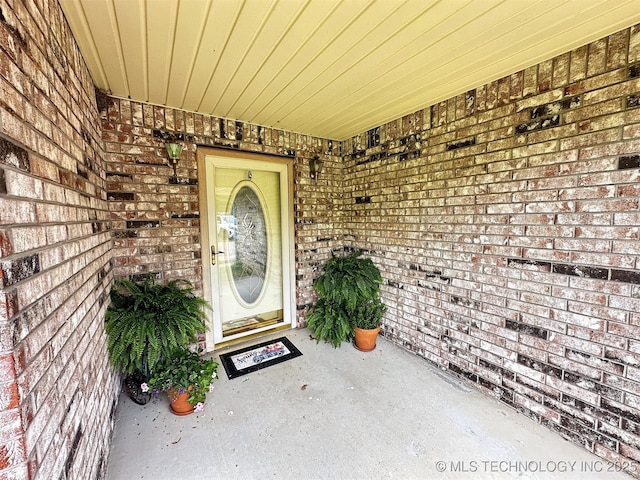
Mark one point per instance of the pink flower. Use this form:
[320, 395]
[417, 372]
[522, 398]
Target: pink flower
[144, 387]
[199, 407]
[211, 388]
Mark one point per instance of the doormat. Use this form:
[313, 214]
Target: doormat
[249, 359]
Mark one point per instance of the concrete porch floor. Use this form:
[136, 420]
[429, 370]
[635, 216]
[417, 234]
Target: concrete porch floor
[342, 414]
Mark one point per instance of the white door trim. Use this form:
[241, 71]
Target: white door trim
[284, 166]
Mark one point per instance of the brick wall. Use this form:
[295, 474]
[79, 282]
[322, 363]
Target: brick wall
[57, 391]
[506, 223]
[156, 216]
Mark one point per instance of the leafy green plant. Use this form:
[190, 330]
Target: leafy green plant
[348, 288]
[146, 321]
[368, 315]
[184, 371]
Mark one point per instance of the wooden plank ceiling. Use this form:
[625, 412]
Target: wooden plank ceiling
[331, 68]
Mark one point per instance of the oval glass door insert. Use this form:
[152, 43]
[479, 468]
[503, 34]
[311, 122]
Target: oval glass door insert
[249, 257]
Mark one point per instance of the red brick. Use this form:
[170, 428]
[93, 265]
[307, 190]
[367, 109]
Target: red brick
[616, 461]
[623, 464]
[537, 408]
[9, 397]
[573, 390]
[625, 438]
[620, 383]
[552, 196]
[12, 454]
[623, 330]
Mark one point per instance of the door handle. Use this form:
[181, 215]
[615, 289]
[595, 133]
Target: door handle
[213, 254]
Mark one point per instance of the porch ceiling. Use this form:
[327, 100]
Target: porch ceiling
[331, 68]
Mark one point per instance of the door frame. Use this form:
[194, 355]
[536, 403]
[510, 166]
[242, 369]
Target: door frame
[287, 232]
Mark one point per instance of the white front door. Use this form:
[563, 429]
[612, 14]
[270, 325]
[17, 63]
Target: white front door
[246, 208]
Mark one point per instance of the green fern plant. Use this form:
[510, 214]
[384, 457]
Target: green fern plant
[146, 321]
[347, 285]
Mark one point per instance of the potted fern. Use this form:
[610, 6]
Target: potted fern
[348, 296]
[146, 322]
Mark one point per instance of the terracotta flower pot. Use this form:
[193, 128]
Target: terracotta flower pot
[365, 340]
[179, 402]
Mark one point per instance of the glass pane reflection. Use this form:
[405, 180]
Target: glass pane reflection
[248, 242]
